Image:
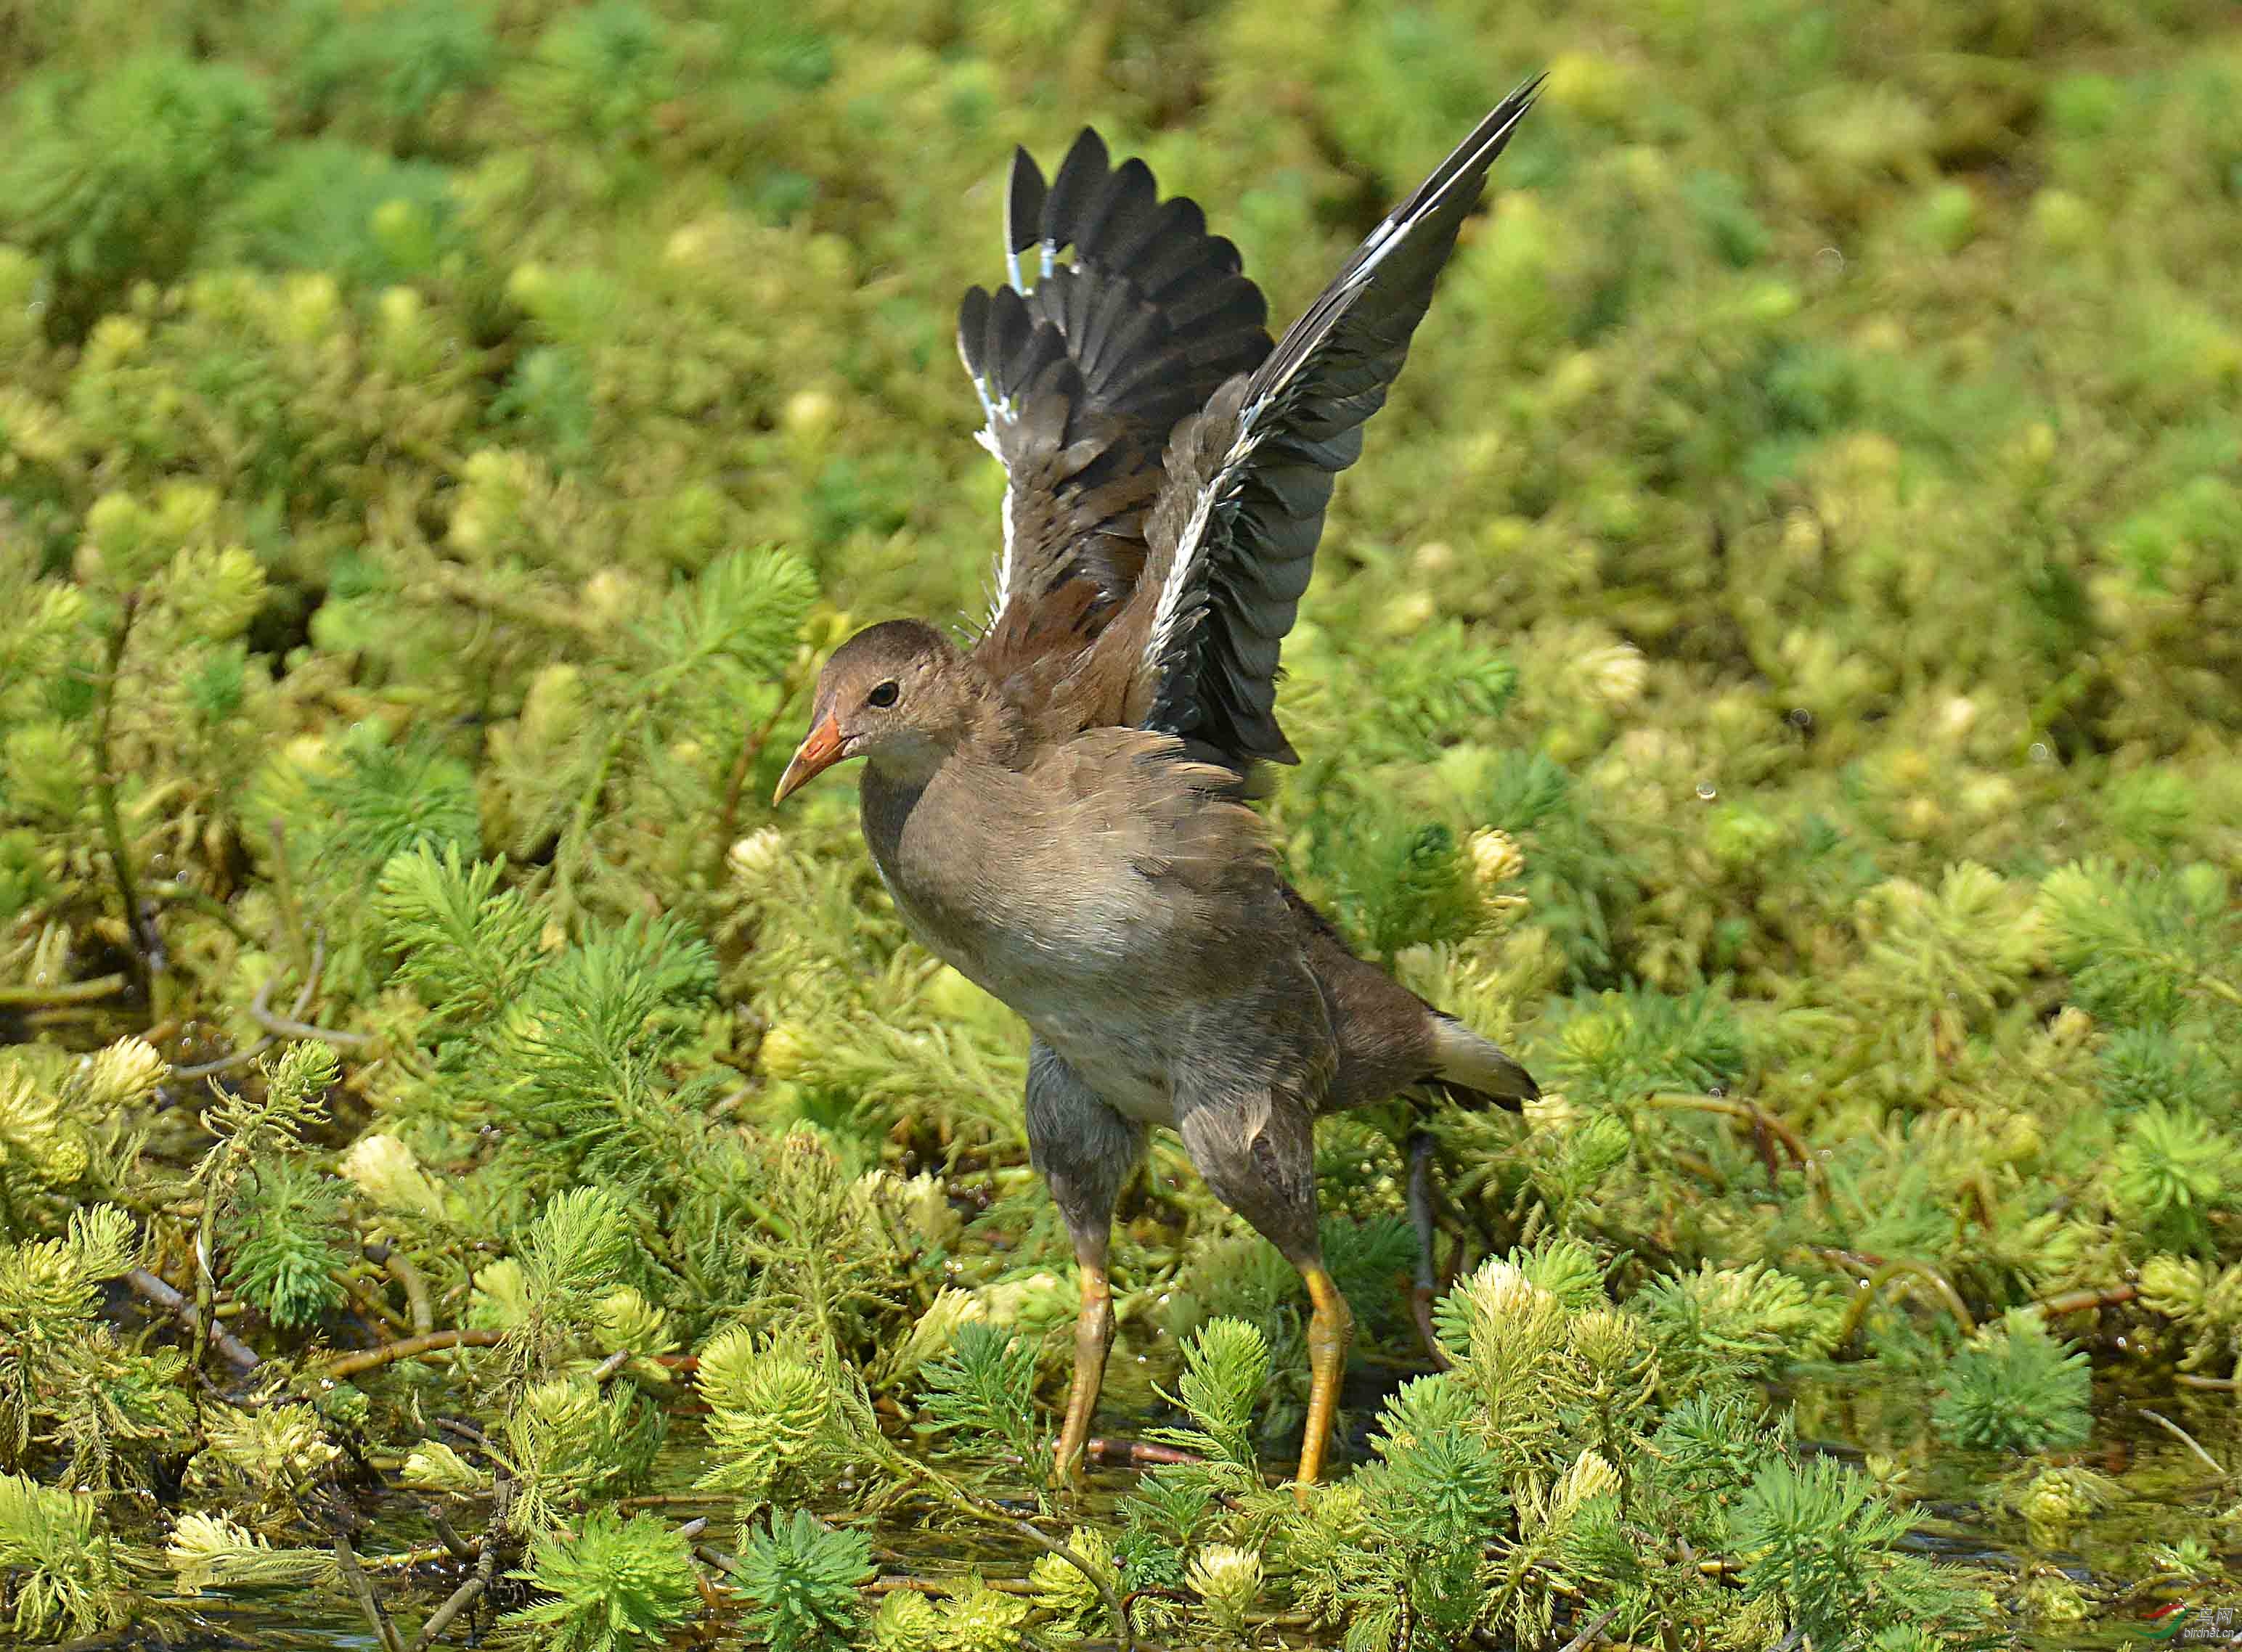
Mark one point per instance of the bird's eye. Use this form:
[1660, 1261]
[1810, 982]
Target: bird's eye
[883, 694]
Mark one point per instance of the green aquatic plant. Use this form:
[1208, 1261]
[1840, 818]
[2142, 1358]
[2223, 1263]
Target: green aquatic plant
[800, 1577]
[613, 1585]
[1776, 676]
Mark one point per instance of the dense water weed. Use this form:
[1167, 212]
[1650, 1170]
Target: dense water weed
[464, 1167]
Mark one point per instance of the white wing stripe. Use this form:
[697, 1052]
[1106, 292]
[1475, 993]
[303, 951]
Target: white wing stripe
[1004, 559]
[1190, 547]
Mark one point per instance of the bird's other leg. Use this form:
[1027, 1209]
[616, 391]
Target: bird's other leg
[1085, 1152]
[1257, 1153]
[1423, 1216]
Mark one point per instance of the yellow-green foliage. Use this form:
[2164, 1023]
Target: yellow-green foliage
[1777, 668]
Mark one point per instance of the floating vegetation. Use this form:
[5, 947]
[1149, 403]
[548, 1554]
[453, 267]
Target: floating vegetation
[466, 1168]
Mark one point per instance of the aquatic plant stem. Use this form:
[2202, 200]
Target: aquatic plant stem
[112, 823]
[2081, 1301]
[289, 1027]
[362, 1592]
[2183, 1437]
[400, 1268]
[284, 891]
[751, 748]
[204, 902]
[205, 1242]
[1941, 1288]
[965, 1502]
[243, 1057]
[1581, 1642]
[237, 1352]
[440, 1620]
[100, 987]
[1763, 1123]
[411, 1348]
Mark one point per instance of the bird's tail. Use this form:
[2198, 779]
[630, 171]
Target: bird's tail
[1475, 1072]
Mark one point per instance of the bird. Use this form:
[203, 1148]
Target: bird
[1060, 808]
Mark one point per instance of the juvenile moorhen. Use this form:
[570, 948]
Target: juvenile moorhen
[1059, 810]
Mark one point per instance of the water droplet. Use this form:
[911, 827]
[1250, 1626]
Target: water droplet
[2040, 752]
[1799, 717]
[1830, 259]
[1717, 1091]
[37, 307]
[1707, 791]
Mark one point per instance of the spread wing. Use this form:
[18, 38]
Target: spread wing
[1234, 535]
[1083, 368]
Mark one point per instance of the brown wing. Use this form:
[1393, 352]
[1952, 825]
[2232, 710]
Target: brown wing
[1084, 369]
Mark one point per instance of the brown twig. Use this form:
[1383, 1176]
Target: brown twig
[237, 1352]
[725, 1563]
[1424, 1216]
[411, 1348]
[494, 1534]
[377, 1314]
[455, 1545]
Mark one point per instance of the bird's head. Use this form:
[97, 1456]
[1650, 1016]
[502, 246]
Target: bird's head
[899, 693]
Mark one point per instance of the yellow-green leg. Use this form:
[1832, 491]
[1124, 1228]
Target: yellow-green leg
[1330, 1328]
[1094, 1338]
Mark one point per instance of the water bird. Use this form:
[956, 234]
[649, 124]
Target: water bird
[1060, 810]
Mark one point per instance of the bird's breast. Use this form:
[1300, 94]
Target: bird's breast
[1065, 926]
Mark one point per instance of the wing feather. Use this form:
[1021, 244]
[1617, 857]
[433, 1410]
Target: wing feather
[1083, 368]
[1248, 480]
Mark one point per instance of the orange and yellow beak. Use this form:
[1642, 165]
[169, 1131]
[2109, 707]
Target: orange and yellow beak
[820, 750]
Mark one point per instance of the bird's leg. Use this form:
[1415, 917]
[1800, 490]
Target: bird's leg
[1257, 1153]
[1330, 1329]
[1085, 1151]
[1093, 1339]
[1424, 1198]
